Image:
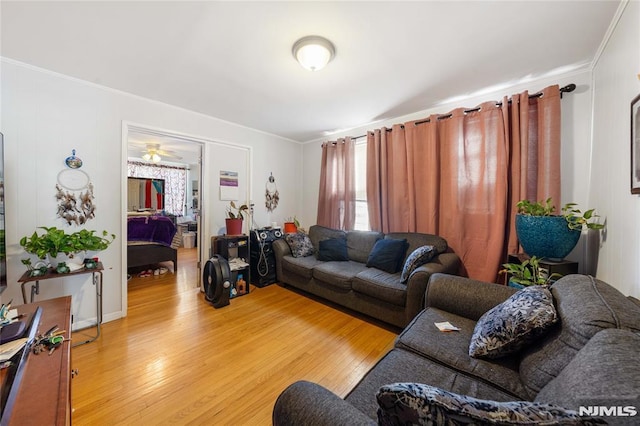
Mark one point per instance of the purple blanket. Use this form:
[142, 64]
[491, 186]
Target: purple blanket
[155, 229]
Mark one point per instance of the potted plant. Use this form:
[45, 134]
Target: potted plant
[235, 217]
[545, 234]
[291, 225]
[527, 273]
[59, 246]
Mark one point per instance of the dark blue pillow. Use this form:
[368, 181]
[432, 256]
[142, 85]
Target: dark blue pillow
[333, 249]
[387, 255]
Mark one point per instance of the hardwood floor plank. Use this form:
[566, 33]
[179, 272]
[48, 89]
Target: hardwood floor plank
[176, 360]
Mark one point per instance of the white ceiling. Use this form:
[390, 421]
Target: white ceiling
[232, 60]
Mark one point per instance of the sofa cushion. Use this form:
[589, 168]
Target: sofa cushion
[360, 244]
[422, 337]
[387, 255]
[402, 366]
[302, 266]
[607, 366]
[300, 244]
[417, 258]
[333, 249]
[318, 233]
[514, 323]
[337, 274]
[380, 285]
[585, 307]
[416, 403]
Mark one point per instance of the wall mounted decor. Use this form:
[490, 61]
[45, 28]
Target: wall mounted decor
[74, 195]
[271, 194]
[635, 145]
[72, 161]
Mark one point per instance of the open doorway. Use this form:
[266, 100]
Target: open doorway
[163, 214]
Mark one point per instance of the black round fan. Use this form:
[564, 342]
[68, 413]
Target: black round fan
[215, 277]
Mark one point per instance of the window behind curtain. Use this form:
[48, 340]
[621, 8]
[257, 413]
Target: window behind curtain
[362, 215]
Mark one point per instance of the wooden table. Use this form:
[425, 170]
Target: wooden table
[51, 274]
[43, 394]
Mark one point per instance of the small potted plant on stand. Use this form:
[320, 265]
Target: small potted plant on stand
[235, 217]
[527, 273]
[544, 234]
[291, 225]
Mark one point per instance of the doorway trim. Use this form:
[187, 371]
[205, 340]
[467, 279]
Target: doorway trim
[206, 188]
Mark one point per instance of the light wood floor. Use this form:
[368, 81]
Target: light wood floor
[176, 360]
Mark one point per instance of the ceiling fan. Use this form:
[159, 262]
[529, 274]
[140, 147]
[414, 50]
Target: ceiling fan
[154, 154]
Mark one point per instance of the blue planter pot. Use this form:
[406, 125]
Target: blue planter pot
[546, 236]
[515, 285]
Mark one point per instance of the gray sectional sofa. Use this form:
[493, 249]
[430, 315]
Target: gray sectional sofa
[352, 284]
[588, 358]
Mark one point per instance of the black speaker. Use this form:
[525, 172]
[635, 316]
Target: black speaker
[263, 260]
[215, 277]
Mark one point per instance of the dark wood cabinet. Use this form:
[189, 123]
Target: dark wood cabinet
[42, 396]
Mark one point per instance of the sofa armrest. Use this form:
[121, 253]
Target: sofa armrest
[306, 403]
[464, 296]
[448, 263]
[280, 249]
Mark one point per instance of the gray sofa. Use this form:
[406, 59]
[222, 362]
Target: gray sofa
[352, 284]
[588, 358]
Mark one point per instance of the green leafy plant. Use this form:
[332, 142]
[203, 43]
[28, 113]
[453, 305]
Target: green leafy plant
[234, 212]
[576, 219]
[528, 273]
[54, 241]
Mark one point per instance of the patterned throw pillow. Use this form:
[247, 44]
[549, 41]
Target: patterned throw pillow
[417, 258]
[300, 244]
[514, 323]
[415, 403]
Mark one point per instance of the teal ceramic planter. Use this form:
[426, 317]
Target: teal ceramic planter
[546, 236]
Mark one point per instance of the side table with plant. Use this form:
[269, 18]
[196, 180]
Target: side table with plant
[55, 243]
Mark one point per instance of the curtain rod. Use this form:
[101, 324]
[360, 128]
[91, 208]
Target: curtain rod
[566, 89]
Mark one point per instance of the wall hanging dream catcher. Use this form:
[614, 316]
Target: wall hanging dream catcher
[75, 193]
[271, 194]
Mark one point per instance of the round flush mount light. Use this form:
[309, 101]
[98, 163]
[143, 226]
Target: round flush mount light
[313, 52]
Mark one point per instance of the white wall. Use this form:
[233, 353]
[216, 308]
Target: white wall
[616, 83]
[46, 115]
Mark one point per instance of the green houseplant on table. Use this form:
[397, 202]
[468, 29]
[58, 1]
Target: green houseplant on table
[55, 243]
[545, 234]
[527, 273]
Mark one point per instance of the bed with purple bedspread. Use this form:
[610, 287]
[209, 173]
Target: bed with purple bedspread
[150, 240]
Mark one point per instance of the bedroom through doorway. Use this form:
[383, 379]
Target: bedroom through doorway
[163, 214]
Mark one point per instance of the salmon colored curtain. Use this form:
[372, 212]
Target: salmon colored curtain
[387, 184]
[337, 199]
[459, 175]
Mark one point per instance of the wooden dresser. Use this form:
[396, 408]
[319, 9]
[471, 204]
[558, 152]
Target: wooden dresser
[44, 393]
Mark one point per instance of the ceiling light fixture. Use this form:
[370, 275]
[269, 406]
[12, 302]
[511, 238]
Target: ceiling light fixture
[313, 52]
[154, 158]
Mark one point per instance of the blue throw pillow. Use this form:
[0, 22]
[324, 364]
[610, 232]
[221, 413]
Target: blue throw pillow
[333, 249]
[416, 403]
[418, 257]
[387, 255]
